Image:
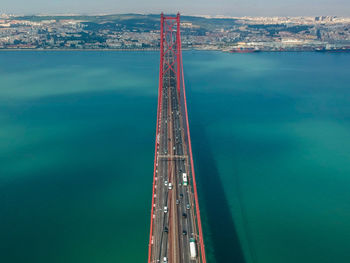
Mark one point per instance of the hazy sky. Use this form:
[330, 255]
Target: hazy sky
[211, 7]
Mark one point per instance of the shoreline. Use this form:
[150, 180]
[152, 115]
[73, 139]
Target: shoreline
[73, 49]
[157, 49]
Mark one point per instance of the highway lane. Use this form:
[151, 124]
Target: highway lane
[182, 166]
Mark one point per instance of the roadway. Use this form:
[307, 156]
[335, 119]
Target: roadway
[174, 215]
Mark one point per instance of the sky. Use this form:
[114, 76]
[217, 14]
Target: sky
[186, 7]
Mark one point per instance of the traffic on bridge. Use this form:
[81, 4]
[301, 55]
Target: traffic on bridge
[176, 229]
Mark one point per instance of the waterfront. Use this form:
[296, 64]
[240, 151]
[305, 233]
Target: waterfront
[271, 145]
[127, 32]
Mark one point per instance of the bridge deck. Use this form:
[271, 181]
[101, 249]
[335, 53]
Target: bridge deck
[175, 214]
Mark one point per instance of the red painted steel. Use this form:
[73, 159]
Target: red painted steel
[167, 44]
[178, 50]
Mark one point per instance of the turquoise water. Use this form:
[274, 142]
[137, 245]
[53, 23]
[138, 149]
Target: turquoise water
[271, 142]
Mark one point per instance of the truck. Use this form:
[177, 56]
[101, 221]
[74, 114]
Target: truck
[184, 179]
[193, 251]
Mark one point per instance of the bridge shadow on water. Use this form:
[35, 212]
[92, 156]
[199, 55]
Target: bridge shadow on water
[225, 241]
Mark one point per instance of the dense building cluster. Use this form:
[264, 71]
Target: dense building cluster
[142, 32]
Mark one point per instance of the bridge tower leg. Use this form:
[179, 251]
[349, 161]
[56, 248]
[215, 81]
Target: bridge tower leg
[178, 54]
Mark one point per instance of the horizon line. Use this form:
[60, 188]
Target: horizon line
[182, 14]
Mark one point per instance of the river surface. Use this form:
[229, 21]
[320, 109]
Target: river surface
[271, 145]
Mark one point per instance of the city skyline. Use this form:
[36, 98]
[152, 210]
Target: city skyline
[129, 31]
[195, 7]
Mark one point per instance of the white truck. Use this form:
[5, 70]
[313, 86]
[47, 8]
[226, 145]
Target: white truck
[193, 250]
[184, 179]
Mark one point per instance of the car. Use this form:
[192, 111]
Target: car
[165, 209]
[166, 229]
[181, 195]
[188, 206]
[165, 260]
[170, 186]
[166, 183]
[177, 201]
[184, 232]
[184, 215]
